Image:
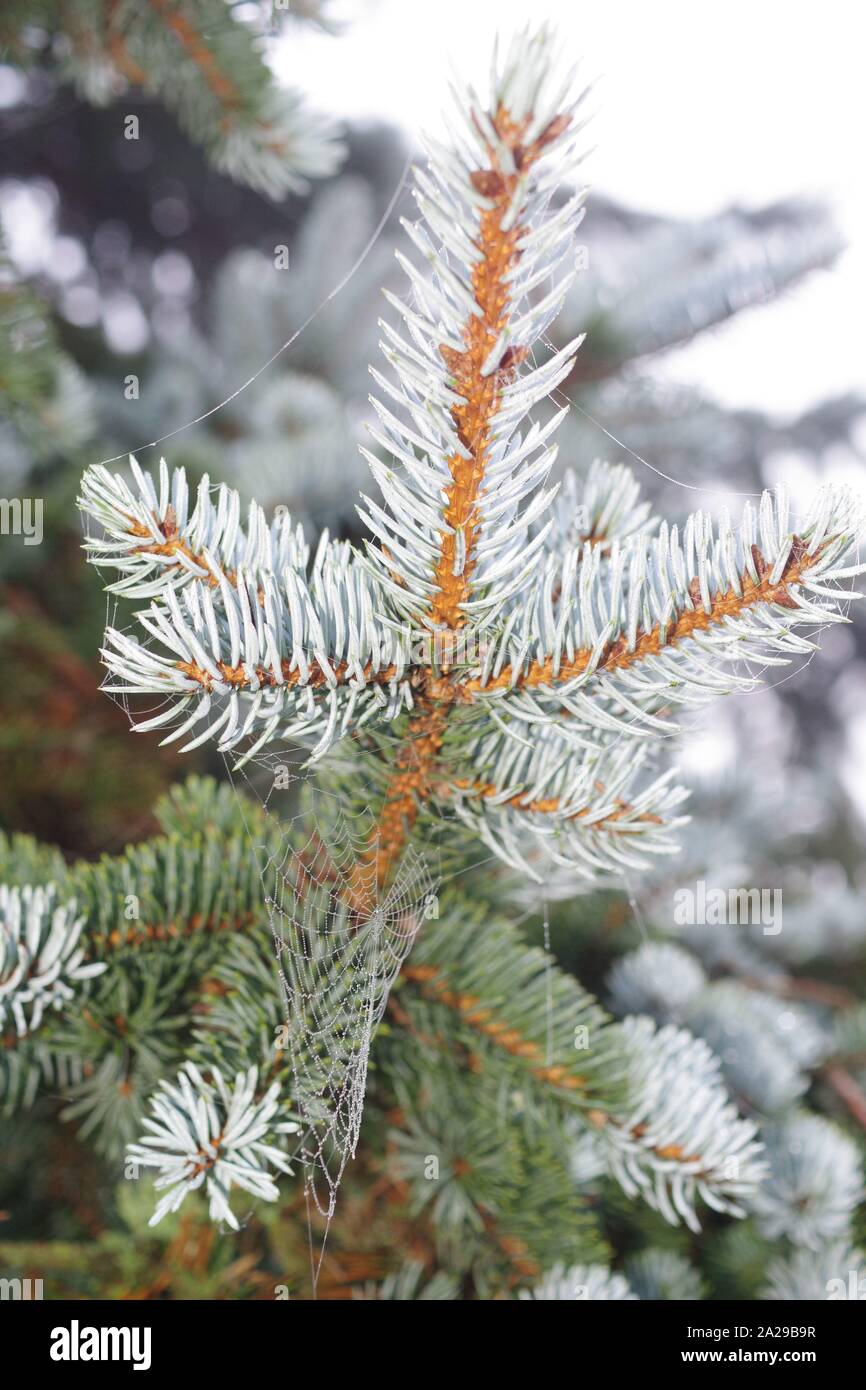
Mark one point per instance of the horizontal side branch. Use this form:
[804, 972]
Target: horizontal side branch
[620, 655]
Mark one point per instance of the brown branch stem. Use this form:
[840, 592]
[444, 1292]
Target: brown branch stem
[619, 656]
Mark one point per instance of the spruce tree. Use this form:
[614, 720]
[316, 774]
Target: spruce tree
[493, 678]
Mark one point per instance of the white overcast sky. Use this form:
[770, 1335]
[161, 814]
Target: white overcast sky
[700, 106]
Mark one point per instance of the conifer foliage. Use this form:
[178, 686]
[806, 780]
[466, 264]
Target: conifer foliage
[552, 660]
[502, 656]
[199, 59]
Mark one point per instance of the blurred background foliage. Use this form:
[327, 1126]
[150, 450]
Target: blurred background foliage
[142, 281]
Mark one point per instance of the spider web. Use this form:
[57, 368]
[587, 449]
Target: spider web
[340, 941]
[336, 969]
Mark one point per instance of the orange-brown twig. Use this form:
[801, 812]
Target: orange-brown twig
[433, 984]
[473, 420]
[618, 656]
[197, 50]
[549, 805]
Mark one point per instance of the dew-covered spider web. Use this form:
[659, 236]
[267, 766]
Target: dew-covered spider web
[337, 964]
[340, 942]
